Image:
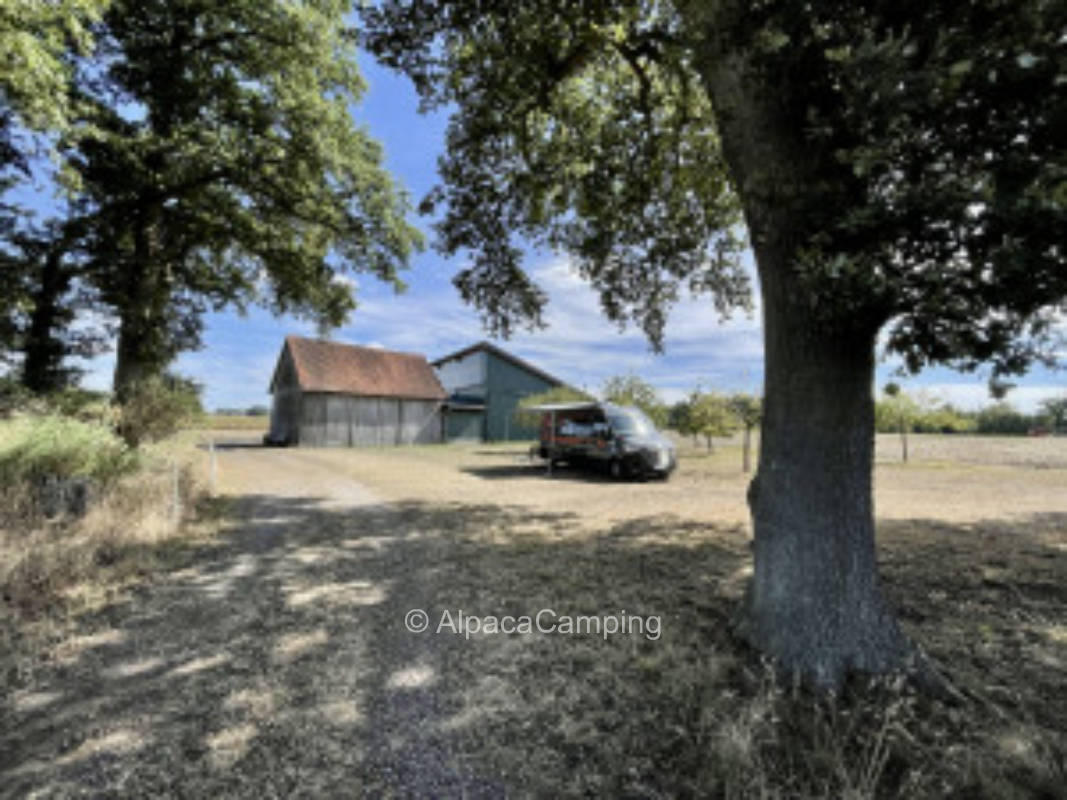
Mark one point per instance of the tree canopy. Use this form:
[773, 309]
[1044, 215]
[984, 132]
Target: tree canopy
[210, 158]
[631, 390]
[941, 188]
[900, 170]
[1055, 410]
[711, 415]
[36, 40]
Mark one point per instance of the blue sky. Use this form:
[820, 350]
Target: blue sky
[579, 346]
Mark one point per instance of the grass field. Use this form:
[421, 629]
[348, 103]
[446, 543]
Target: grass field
[53, 569]
[973, 545]
[948, 478]
[275, 660]
[235, 422]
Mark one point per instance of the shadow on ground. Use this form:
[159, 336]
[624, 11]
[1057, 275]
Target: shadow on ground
[534, 470]
[278, 663]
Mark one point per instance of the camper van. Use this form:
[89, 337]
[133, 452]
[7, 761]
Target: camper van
[620, 438]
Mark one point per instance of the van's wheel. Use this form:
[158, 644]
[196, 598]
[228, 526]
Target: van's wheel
[616, 468]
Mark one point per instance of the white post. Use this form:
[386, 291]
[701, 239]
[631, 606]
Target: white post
[214, 467]
[176, 506]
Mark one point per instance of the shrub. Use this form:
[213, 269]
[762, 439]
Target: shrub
[1004, 418]
[14, 396]
[34, 447]
[84, 405]
[945, 419]
[157, 407]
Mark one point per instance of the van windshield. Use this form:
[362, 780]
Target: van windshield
[631, 421]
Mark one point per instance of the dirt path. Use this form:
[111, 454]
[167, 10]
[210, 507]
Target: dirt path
[277, 665]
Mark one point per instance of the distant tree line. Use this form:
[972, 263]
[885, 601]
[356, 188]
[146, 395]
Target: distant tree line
[707, 414]
[920, 413]
[250, 411]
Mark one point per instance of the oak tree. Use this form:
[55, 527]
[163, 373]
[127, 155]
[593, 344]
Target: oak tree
[36, 44]
[898, 165]
[44, 319]
[219, 165]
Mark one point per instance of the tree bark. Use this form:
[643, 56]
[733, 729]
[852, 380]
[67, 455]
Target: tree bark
[142, 349]
[814, 604]
[746, 457]
[43, 350]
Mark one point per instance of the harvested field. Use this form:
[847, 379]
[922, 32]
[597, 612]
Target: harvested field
[951, 479]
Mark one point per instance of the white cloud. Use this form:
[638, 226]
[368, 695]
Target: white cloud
[972, 396]
[343, 279]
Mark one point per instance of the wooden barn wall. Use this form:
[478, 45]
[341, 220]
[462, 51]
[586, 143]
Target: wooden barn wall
[336, 420]
[285, 407]
[422, 422]
[285, 415]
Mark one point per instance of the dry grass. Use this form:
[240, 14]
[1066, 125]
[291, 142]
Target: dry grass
[973, 536]
[234, 422]
[52, 570]
[949, 478]
[278, 663]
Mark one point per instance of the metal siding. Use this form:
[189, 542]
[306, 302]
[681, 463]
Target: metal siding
[410, 418]
[466, 425]
[467, 375]
[285, 405]
[507, 385]
[285, 415]
[337, 420]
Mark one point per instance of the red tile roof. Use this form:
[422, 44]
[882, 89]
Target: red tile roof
[323, 366]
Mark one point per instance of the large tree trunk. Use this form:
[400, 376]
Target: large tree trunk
[814, 602]
[145, 345]
[44, 350]
[143, 349]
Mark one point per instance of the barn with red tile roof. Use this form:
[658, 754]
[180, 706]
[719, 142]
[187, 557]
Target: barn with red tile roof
[332, 394]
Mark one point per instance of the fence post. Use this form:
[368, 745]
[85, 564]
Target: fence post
[214, 468]
[176, 505]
